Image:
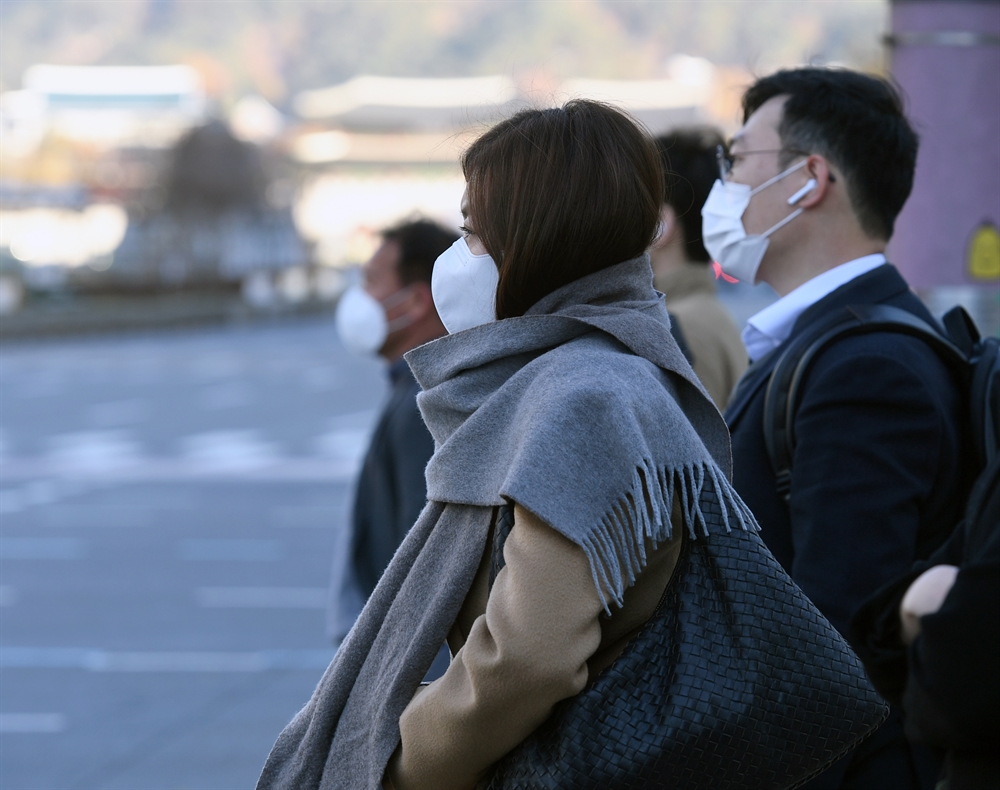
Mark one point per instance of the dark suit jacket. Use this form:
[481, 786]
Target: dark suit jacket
[879, 475]
[391, 488]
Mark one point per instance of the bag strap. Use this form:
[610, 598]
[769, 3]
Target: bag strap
[984, 357]
[503, 523]
[783, 389]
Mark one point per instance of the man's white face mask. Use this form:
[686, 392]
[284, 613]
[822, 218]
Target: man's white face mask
[727, 241]
[464, 287]
[361, 321]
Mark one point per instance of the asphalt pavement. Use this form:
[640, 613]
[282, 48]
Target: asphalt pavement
[169, 507]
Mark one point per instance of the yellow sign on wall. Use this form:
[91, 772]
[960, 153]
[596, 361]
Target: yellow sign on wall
[984, 253]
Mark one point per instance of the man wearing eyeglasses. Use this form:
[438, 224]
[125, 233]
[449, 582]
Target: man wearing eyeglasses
[806, 203]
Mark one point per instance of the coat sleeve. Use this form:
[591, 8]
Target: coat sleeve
[525, 654]
[871, 443]
[875, 632]
[953, 689]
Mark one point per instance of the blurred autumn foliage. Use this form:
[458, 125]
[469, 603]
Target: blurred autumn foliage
[276, 48]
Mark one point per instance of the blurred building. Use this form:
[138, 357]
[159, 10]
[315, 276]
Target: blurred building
[425, 121]
[79, 144]
[114, 105]
[946, 58]
[375, 149]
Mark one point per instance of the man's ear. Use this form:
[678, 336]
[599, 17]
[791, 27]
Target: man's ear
[423, 300]
[668, 227]
[819, 171]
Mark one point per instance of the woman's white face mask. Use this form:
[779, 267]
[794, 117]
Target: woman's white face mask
[362, 323]
[727, 241]
[464, 287]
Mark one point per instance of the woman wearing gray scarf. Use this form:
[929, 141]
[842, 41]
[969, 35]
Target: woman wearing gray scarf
[566, 397]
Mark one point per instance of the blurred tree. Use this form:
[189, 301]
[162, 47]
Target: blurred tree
[210, 170]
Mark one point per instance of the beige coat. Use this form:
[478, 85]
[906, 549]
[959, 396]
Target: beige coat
[535, 639]
[714, 340]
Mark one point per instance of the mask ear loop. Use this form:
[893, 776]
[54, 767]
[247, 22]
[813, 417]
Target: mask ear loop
[397, 298]
[391, 301]
[809, 187]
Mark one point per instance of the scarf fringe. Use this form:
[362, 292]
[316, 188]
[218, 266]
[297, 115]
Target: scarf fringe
[617, 549]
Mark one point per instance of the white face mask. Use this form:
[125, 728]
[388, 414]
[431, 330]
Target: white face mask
[361, 321]
[464, 287]
[725, 238]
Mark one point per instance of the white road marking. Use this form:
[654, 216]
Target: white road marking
[228, 450]
[44, 491]
[234, 550]
[176, 470]
[161, 661]
[345, 444]
[34, 723]
[41, 548]
[262, 597]
[347, 437]
[94, 450]
[115, 456]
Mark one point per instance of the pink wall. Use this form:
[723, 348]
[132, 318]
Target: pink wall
[953, 98]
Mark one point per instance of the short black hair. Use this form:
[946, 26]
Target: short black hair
[420, 242]
[690, 168]
[857, 122]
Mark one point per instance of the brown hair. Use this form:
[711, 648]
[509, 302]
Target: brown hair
[557, 194]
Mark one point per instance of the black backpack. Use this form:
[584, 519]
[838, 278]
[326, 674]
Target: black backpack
[974, 360]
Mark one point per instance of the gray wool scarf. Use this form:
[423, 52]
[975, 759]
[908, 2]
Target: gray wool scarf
[585, 412]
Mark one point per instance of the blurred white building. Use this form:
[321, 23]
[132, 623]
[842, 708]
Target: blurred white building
[401, 104]
[107, 106]
[423, 121]
[383, 148]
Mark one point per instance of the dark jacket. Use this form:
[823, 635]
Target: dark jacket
[391, 489]
[947, 681]
[878, 476]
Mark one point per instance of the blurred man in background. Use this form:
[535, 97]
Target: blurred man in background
[391, 312]
[682, 267]
[816, 177]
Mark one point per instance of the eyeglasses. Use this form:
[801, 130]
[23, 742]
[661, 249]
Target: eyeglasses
[727, 161]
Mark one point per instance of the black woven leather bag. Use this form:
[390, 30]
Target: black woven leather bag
[736, 681]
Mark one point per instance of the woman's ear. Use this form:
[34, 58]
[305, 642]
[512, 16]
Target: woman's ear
[668, 227]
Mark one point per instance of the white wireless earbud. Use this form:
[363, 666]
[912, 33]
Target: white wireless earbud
[809, 187]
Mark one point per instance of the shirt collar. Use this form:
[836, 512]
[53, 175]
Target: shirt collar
[771, 327]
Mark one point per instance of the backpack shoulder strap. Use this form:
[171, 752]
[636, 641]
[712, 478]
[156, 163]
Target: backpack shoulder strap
[782, 396]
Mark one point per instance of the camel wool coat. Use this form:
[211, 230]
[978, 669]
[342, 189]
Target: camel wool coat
[718, 355]
[536, 638]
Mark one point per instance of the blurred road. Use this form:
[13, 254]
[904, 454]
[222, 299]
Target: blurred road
[169, 505]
